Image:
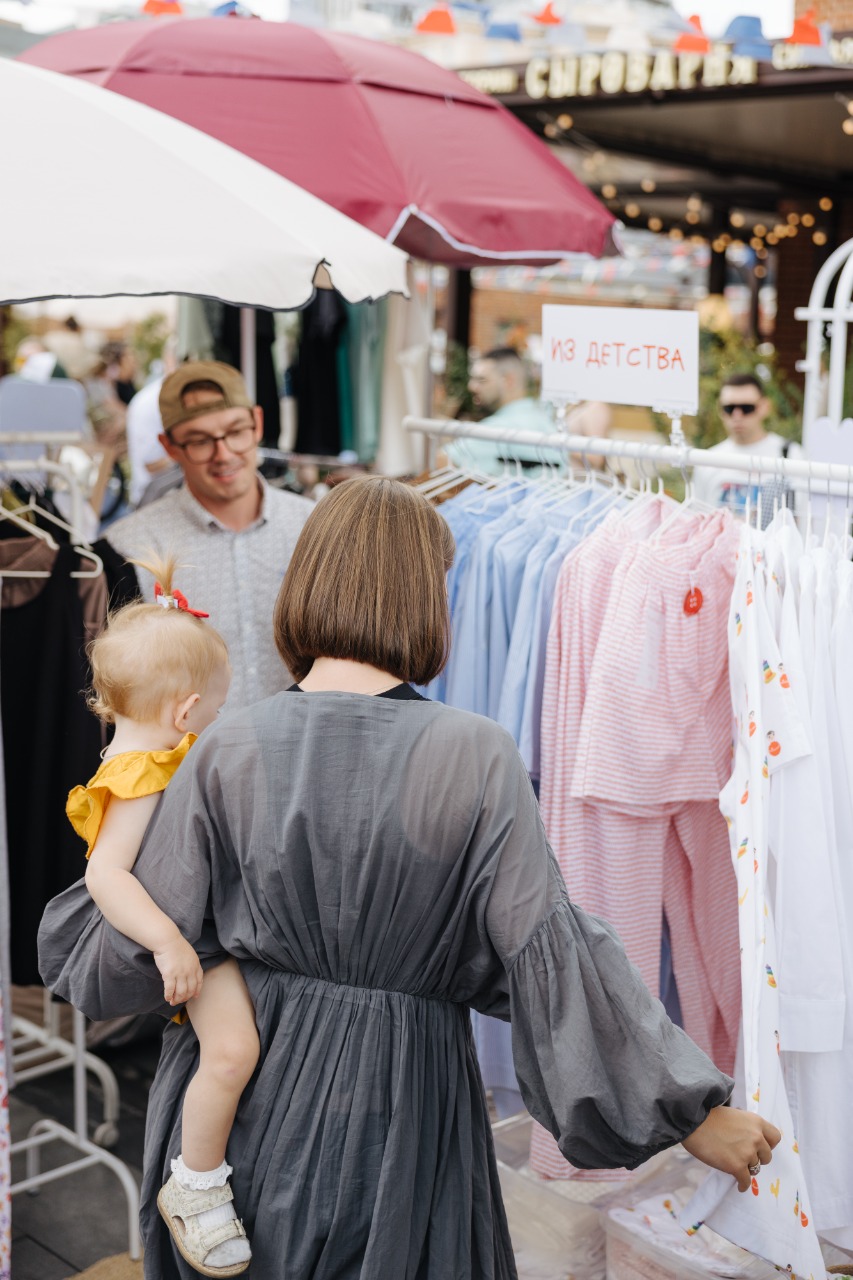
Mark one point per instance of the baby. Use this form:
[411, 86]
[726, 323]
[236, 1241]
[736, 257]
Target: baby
[161, 675]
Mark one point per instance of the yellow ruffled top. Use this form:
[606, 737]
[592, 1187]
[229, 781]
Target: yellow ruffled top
[128, 776]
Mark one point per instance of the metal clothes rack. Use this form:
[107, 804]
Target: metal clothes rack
[39, 1051]
[836, 477]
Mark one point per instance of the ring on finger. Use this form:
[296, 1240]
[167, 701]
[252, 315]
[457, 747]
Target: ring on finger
[754, 1169]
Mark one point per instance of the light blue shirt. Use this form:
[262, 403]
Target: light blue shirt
[468, 670]
[518, 415]
[510, 569]
[466, 514]
[531, 713]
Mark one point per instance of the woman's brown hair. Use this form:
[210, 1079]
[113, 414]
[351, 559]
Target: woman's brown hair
[366, 581]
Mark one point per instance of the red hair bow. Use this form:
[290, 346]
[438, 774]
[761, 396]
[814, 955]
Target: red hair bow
[177, 600]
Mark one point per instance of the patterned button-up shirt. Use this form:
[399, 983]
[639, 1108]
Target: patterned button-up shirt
[234, 576]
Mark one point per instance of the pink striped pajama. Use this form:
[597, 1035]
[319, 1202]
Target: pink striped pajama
[636, 746]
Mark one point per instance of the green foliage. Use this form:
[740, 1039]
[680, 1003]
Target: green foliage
[149, 339]
[13, 330]
[458, 400]
[723, 352]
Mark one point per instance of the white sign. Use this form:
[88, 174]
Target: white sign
[621, 355]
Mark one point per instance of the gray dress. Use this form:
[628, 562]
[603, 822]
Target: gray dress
[379, 868]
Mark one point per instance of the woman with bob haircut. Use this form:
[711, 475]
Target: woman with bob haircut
[377, 864]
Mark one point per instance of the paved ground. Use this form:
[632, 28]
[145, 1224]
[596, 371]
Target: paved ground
[74, 1222]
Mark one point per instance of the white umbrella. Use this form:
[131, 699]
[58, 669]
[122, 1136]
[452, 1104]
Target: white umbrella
[105, 196]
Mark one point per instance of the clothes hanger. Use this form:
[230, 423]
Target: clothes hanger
[452, 475]
[28, 526]
[78, 543]
[808, 534]
[690, 503]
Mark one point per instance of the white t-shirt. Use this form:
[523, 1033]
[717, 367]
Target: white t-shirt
[144, 425]
[726, 487]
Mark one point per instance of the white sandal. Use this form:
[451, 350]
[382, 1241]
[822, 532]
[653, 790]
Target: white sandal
[180, 1206]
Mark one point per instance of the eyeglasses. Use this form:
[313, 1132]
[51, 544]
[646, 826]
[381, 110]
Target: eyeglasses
[202, 448]
[745, 409]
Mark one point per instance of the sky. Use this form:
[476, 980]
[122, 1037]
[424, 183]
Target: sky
[47, 15]
[777, 15]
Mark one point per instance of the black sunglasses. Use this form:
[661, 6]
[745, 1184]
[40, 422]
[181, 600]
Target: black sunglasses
[746, 409]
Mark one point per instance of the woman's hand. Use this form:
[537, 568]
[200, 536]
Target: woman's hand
[180, 969]
[733, 1141]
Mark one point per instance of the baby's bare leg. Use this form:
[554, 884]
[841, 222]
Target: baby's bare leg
[223, 1018]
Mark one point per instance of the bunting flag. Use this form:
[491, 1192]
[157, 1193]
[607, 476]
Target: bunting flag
[806, 30]
[694, 41]
[504, 31]
[746, 34]
[157, 8]
[547, 17]
[438, 22]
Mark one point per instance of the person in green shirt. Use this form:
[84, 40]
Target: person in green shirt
[499, 386]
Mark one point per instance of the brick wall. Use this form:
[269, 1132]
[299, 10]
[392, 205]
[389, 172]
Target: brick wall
[504, 319]
[799, 261]
[501, 318]
[838, 13]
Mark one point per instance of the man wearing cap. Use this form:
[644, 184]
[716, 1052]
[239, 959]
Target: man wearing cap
[232, 533]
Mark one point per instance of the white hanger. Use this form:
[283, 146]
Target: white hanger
[79, 545]
[41, 534]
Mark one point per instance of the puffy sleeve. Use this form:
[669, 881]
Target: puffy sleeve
[127, 777]
[599, 1063]
[86, 961]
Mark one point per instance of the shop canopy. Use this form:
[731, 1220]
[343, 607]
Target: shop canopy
[105, 196]
[401, 145]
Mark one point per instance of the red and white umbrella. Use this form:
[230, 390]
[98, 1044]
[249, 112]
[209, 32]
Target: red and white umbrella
[399, 144]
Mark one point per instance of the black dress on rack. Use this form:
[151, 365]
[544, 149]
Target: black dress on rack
[51, 742]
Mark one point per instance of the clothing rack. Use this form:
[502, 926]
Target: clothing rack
[837, 478]
[40, 1050]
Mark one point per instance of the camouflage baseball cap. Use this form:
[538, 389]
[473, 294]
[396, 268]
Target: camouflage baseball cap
[229, 381]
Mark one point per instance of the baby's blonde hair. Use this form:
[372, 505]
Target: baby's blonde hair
[149, 656]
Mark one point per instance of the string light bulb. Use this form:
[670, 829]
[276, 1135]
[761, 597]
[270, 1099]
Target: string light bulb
[692, 217]
[632, 210]
[808, 219]
[847, 126]
[760, 271]
[565, 121]
[608, 191]
[793, 219]
[825, 203]
[655, 224]
[648, 185]
[694, 203]
[819, 237]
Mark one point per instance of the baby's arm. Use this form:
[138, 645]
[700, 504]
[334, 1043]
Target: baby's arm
[127, 906]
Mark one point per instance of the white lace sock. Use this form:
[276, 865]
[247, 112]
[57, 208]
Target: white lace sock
[232, 1250]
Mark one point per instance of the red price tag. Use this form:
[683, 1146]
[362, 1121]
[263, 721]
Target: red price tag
[693, 601]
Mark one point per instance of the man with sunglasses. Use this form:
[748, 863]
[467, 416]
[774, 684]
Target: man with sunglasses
[232, 533]
[744, 409]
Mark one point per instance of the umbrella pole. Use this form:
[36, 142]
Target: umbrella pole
[248, 362]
